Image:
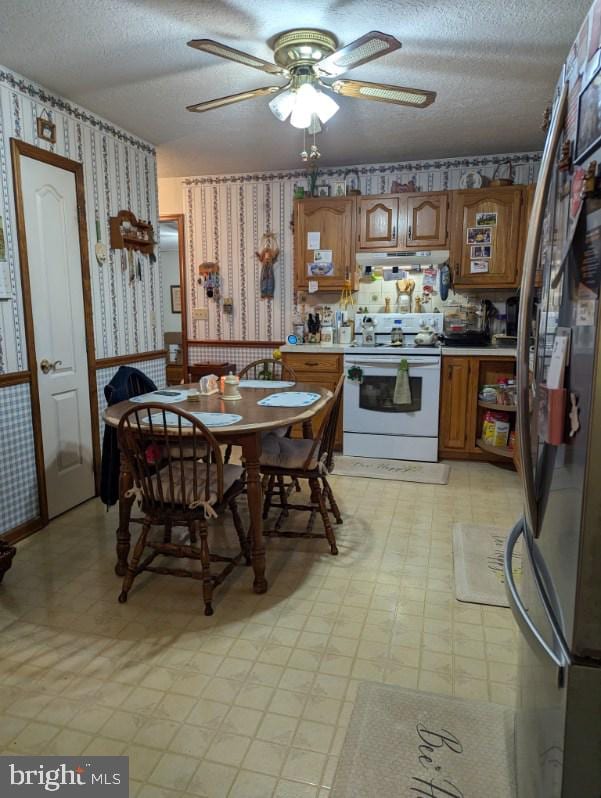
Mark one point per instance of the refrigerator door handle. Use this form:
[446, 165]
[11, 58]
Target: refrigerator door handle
[530, 261]
[524, 621]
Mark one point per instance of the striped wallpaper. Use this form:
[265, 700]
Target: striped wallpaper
[119, 172]
[226, 215]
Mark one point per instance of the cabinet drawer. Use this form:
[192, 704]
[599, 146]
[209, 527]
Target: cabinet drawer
[300, 361]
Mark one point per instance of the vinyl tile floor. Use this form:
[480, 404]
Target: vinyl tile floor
[254, 701]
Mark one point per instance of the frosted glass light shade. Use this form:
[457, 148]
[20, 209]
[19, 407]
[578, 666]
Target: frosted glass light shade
[282, 104]
[325, 107]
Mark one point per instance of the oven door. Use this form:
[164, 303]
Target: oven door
[369, 406]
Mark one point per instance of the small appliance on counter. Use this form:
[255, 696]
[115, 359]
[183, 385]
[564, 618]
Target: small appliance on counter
[467, 325]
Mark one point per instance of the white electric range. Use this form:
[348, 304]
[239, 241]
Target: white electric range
[373, 425]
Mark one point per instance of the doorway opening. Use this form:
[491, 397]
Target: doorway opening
[173, 272]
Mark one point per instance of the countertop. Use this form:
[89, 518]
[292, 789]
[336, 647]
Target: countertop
[339, 349]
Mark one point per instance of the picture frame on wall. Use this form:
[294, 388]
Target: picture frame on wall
[176, 299]
[588, 131]
[46, 129]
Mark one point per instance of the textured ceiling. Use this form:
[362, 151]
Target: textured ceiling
[493, 63]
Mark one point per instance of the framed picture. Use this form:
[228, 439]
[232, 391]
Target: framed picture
[478, 235]
[338, 188]
[46, 130]
[176, 299]
[588, 132]
[480, 251]
[352, 183]
[486, 219]
[322, 191]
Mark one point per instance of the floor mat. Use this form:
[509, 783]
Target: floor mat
[404, 742]
[399, 470]
[478, 561]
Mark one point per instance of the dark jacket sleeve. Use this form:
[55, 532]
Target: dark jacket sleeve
[126, 383]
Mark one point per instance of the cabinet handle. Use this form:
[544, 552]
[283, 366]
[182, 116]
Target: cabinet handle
[394, 232]
[450, 373]
[456, 270]
[311, 363]
[409, 233]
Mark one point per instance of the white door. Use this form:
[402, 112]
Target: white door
[53, 252]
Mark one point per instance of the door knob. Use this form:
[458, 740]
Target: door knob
[47, 366]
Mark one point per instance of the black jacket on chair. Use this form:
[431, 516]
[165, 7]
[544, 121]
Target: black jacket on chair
[126, 383]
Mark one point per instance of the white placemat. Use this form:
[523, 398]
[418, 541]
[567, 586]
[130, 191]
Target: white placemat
[208, 419]
[289, 399]
[160, 397]
[265, 384]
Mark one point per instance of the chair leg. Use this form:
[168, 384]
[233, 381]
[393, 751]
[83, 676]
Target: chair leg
[205, 560]
[228, 453]
[296, 483]
[242, 536]
[333, 505]
[317, 494]
[167, 533]
[268, 497]
[133, 564]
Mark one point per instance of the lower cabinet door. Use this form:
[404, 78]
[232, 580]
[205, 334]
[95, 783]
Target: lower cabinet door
[454, 403]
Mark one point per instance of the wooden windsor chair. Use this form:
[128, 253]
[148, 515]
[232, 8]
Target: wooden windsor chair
[307, 458]
[180, 481]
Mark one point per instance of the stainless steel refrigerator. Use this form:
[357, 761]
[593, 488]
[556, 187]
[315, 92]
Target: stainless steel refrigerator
[557, 601]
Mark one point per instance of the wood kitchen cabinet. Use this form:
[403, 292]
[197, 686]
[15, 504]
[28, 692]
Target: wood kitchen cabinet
[425, 220]
[323, 369]
[391, 222]
[506, 241]
[378, 222]
[334, 220]
[461, 412]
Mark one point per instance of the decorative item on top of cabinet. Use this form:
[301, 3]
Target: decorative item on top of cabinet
[490, 217]
[324, 227]
[128, 232]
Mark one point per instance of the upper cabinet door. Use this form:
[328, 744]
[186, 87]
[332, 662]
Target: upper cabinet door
[378, 223]
[332, 223]
[426, 220]
[485, 237]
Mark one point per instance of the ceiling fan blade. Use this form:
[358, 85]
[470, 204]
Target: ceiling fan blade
[384, 93]
[219, 102]
[223, 51]
[372, 45]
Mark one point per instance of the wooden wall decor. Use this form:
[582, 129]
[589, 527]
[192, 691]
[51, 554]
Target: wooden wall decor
[46, 129]
[128, 232]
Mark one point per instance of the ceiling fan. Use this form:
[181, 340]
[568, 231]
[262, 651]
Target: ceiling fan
[308, 58]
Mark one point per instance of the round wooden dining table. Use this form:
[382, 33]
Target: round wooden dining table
[247, 433]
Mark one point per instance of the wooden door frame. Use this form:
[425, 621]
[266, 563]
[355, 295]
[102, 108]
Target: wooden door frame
[21, 149]
[179, 218]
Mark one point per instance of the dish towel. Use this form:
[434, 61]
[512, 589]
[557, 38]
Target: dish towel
[402, 387]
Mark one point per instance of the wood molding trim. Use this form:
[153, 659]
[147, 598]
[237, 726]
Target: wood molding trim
[123, 360]
[14, 378]
[21, 149]
[236, 344]
[179, 218]
[22, 531]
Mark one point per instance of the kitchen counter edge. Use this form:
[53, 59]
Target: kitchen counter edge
[340, 349]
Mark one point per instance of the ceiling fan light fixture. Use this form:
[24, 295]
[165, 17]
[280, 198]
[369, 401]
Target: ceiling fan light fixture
[282, 104]
[304, 106]
[324, 106]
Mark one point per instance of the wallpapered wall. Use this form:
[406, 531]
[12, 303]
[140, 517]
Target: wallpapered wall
[119, 172]
[227, 214]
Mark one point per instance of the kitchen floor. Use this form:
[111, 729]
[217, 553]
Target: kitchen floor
[254, 701]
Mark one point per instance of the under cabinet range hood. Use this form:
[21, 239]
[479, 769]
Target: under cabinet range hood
[407, 261]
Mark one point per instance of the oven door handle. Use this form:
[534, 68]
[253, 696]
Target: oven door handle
[434, 363]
